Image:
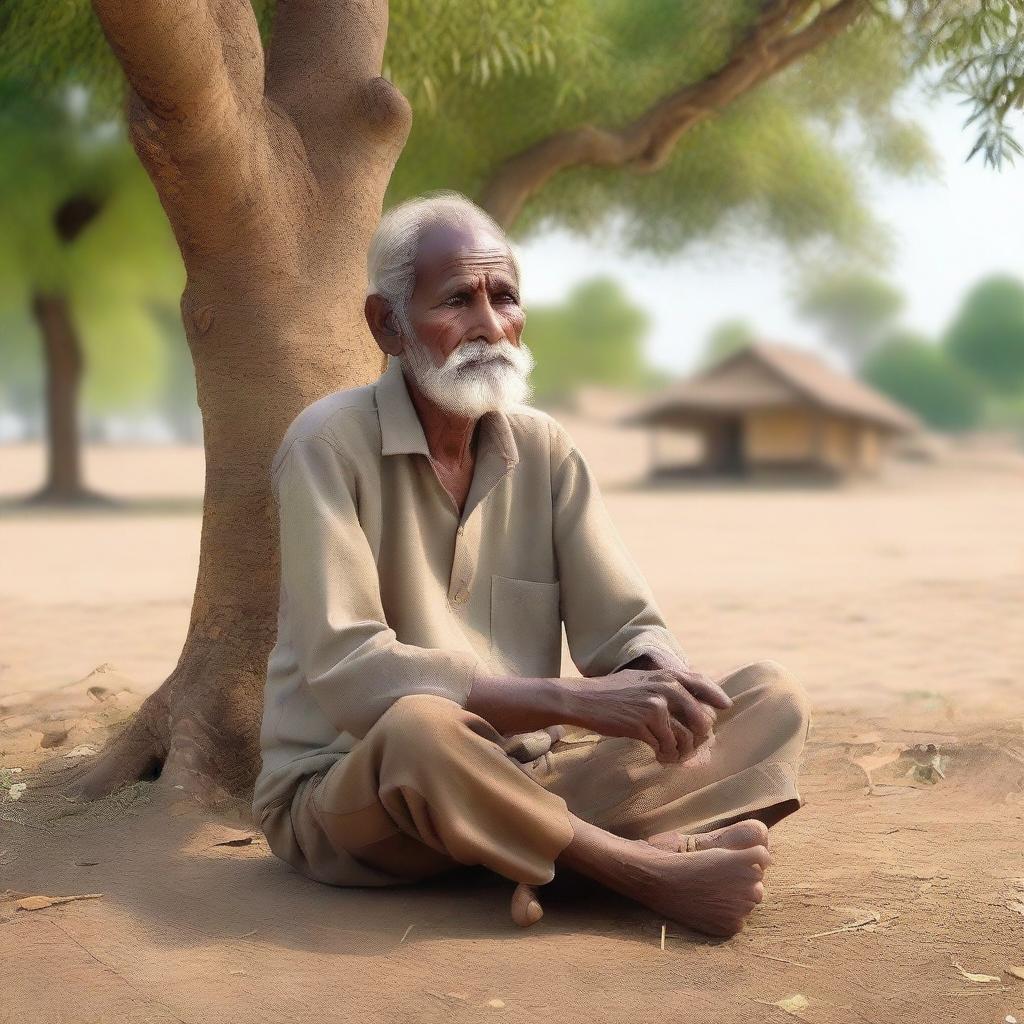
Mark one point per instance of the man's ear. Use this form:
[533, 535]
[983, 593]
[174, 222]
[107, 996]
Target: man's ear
[383, 324]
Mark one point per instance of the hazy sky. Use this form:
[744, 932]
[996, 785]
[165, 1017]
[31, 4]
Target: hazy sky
[948, 232]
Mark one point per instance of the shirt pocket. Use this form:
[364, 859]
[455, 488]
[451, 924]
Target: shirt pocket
[526, 626]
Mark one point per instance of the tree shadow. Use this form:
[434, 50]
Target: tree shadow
[109, 507]
[166, 870]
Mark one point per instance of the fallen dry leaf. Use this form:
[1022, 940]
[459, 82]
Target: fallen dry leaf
[885, 754]
[16, 790]
[974, 977]
[497, 1004]
[42, 902]
[1017, 972]
[792, 1004]
[82, 750]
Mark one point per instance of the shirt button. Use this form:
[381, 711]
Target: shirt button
[461, 530]
[461, 596]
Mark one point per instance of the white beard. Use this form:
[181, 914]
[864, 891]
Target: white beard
[497, 382]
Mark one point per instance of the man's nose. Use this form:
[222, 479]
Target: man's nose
[489, 326]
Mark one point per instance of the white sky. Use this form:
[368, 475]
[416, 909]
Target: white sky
[948, 230]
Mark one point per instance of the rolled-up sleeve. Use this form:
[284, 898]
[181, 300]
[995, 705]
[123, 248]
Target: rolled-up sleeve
[350, 657]
[609, 612]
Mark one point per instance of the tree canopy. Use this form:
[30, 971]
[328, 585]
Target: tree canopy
[725, 339]
[853, 308]
[909, 369]
[987, 334]
[55, 153]
[594, 337]
[490, 79]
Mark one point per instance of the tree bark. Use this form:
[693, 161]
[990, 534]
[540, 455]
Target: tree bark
[272, 174]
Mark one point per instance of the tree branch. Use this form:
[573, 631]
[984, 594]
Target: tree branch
[171, 51]
[645, 145]
[322, 53]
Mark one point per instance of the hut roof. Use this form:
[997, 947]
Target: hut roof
[766, 375]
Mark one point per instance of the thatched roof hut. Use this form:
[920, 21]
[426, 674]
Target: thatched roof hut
[771, 407]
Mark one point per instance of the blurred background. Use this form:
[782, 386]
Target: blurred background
[793, 352]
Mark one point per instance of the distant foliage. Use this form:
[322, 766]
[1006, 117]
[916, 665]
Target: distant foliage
[852, 307]
[726, 339]
[922, 377]
[594, 337]
[987, 334]
[51, 152]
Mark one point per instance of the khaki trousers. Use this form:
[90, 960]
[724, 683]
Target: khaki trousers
[431, 787]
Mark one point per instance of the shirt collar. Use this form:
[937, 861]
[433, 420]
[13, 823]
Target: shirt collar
[401, 431]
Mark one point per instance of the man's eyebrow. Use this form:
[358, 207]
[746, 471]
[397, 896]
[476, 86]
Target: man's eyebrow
[501, 278]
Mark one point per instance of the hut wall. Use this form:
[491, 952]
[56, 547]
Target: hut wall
[870, 456]
[839, 443]
[851, 446]
[778, 436]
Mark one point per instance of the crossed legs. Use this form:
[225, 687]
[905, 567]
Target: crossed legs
[430, 788]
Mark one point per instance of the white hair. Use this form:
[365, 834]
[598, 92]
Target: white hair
[391, 259]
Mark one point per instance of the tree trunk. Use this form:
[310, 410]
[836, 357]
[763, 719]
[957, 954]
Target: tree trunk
[63, 367]
[273, 190]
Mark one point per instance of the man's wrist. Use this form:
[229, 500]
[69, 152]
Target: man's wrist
[515, 704]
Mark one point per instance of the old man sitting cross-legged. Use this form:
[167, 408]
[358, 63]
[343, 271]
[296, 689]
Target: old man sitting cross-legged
[436, 533]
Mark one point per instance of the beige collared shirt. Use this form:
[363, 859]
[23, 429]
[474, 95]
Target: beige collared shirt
[387, 590]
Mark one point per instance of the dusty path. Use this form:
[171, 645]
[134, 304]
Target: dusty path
[899, 605]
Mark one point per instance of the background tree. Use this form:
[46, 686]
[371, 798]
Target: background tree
[84, 245]
[853, 309]
[987, 334]
[765, 162]
[920, 375]
[272, 164]
[724, 340]
[594, 337]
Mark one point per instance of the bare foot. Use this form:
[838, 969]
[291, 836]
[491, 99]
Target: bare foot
[711, 891]
[738, 836]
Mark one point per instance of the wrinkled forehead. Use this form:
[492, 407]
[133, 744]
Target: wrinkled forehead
[446, 251]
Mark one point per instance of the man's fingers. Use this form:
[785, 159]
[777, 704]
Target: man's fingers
[697, 717]
[706, 690]
[685, 741]
[665, 738]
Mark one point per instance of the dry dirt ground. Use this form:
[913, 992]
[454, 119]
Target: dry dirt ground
[896, 890]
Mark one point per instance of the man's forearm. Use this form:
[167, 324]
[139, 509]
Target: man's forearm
[514, 704]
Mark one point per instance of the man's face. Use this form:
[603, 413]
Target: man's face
[467, 355]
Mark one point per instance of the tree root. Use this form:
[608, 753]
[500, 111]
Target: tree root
[197, 734]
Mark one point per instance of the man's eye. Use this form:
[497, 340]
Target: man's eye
[510, 295]
[455, 298]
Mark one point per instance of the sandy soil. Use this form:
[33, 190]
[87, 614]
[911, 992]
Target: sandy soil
[897, 602]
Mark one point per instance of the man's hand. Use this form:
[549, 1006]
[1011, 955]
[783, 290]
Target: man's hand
[671, 708]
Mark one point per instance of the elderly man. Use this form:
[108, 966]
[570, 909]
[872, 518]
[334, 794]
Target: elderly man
[436, 533]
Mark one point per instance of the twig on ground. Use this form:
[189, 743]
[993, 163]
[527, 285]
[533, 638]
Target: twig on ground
[780, 959]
